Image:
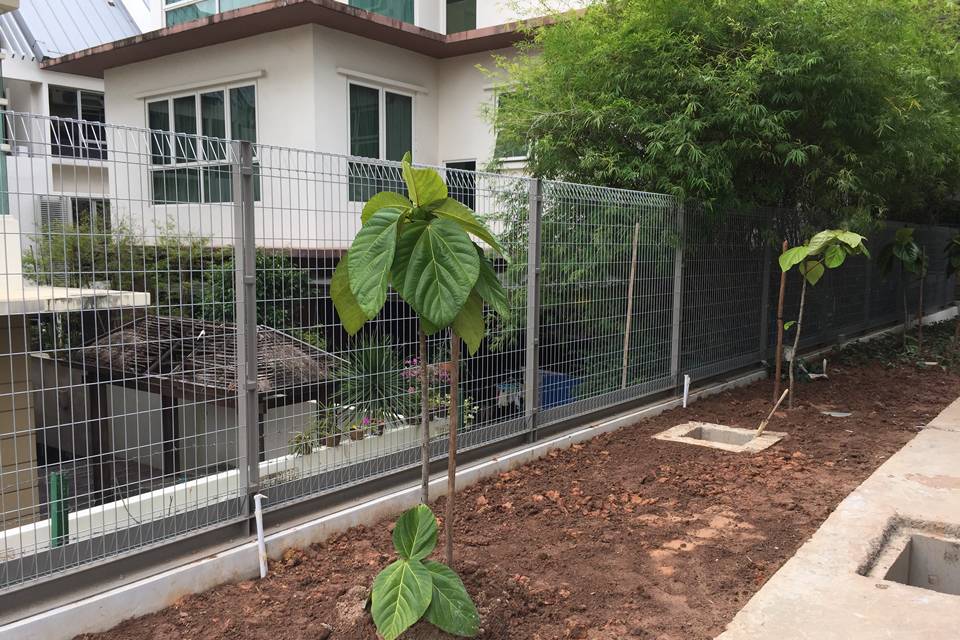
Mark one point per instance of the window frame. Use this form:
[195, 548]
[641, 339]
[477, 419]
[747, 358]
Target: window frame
[496, 135]
[416, 6]
[446, 19]
[382, 90]
[467, 194]
[85, 148]
[169, 152]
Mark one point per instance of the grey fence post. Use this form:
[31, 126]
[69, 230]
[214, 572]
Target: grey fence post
[765, 302]
[677, 316]
[531, 384]
[867, 293]
[245, 314]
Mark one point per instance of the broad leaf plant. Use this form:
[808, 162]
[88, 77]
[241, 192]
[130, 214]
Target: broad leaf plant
[414, 587]
[825, 250]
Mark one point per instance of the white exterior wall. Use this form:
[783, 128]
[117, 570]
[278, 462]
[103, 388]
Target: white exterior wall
[302, 77]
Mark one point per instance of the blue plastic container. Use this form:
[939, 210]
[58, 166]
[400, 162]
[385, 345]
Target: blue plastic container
[556, 389]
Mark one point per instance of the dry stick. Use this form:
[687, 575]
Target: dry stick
[424, 419]
[779, 353]
[763, 425]
[796, 339]
[626, 334]
[454, 414]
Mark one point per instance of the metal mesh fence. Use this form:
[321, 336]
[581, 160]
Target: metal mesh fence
[168, 346]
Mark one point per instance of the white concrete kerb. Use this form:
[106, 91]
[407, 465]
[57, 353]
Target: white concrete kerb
[105, 610]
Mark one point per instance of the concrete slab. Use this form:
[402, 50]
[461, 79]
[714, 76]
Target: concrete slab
[949, 418]
[719, 436]
[820, 593]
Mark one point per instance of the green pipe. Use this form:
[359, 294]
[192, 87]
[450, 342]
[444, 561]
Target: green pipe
[57, 490]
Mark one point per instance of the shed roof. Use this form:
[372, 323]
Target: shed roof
[44, 29]
[191, 358]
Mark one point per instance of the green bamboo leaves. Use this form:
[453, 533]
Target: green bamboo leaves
[422, 246]
[413, 588]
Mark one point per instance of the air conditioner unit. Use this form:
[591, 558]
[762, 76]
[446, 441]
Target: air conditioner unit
[54, 211]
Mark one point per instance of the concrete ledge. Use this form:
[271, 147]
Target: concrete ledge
[105, 610]
[820, 594]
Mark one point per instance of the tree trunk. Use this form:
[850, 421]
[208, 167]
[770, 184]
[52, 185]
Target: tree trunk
[452, 454]
[796, 339]
[779, 352]
[424, 419]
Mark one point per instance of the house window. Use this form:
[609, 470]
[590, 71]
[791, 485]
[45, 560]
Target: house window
[188, 144]
[90, 213]
[462, 183]
[72, 139]
[508, 146]
[461, 15]
[396, 9]
[179, 11]
[381, 127]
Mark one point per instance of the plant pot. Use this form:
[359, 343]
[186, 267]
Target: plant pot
[331, 440]
[357, 434]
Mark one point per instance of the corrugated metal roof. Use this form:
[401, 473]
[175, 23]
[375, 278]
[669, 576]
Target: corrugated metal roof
[13, 39]
[42, 29]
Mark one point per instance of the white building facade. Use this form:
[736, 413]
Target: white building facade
[364, 78]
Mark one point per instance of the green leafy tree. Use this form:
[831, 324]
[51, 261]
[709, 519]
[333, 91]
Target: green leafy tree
[413, 587]
[841, 109]
[909, 257]
[422, 247]
[826, 250]
[282, 289]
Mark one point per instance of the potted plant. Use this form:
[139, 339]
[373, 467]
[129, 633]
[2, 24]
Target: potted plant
[327, 430]
[371, 388]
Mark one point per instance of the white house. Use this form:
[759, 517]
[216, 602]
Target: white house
[60, 161]
[369, 78]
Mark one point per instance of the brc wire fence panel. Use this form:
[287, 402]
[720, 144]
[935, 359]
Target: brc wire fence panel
[117, 375]
[168, 345]
[607, 264]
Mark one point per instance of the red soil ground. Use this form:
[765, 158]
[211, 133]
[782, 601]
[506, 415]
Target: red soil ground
[621, 537]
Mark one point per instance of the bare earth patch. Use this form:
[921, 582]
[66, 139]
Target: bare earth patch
[621, 537]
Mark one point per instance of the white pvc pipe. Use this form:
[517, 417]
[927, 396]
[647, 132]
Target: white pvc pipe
[686, 390]
[261, 544]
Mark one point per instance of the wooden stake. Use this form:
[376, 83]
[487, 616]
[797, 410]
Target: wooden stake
[454, 414]
[626, 334]
[779, 352]
[763, 425]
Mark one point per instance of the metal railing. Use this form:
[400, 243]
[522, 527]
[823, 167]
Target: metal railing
[168, 345]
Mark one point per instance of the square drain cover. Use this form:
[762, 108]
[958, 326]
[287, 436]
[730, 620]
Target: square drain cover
[924, 557]
[718, 436]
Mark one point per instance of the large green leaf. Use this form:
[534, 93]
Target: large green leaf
[440, 272]
[792, 257]
[451, 608]
[820, 240]
[385, 200]
[812, 270]
[851, 239]
[351, 315]
[459, 212]
[469, 322]
[415, 534]
[489, 286]
[401, 595]
[370, 259]
[424, 185]
[834, 256]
